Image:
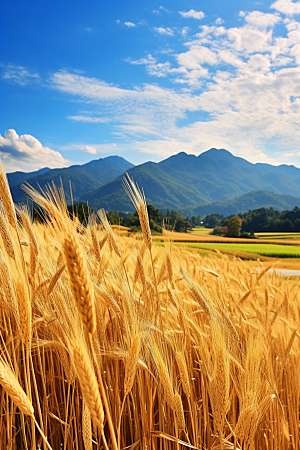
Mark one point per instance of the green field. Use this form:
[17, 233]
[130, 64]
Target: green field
[278, 235]
[270, 250]
[201, 231]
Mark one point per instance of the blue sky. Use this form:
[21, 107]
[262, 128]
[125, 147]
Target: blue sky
[80, 80]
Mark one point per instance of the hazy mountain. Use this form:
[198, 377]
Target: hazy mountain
[83, 178]
[20, 177]
[184, 182]
[251, 200]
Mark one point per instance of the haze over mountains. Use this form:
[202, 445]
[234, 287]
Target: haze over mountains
[214, 181]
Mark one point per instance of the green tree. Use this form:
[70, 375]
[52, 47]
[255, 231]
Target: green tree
[234, 226]
[211, 221]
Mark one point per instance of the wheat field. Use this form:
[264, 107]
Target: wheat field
[109, 342]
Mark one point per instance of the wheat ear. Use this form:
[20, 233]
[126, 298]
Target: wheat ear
[80, 282]
[34, 250]
[6, 197]
[183, 373]
[89, 385]
[10, 384]
[131, 364]
[25, 316]
[179, 411]
[110, 234]
[5, 233]
[139, 201]
[55, 279]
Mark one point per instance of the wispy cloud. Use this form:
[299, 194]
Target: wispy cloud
[153, 66]
[185, 31]
[130, 24]
[167, 31]
[89, 119]
[25, 152]
[19, 75]
[160, 10]
[192, 13]
[219, 21]
[93, 149]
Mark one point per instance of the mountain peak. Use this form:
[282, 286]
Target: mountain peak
[217, 152]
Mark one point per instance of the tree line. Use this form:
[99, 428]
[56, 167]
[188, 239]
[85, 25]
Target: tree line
[243, 225]
[254, 221]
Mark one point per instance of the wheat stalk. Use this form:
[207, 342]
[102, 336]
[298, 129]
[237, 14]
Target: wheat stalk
[86, 428]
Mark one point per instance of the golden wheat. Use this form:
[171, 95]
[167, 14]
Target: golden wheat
[221, 367]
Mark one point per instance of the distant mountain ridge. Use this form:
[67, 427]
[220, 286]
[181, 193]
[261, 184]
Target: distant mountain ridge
[184, 182]
[19, 177]
[181, 182]
[252, 200]
[83, 178]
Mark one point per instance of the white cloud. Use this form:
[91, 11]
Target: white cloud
[196, 56]
[241, 84]
[192, 13]
[93, 149]
[219, 21]
[168, 31]
[153, 67]
[148, 110]
[287, 7]
[160, 9]
[130, 24]
[89, 119]
[185, 31]
[86, 87]
[25, 152]
[19, 75]
[89, 149]
[262, 20]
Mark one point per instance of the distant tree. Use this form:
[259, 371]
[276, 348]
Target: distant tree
[224, 230]
[154, 213]
[182, 225]
[113, 217]
[234, 226]
[211, 221]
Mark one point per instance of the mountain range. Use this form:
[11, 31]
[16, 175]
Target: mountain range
[83, 178]
[214, 181]
[251, 200]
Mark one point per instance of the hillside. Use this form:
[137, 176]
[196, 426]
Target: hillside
[20, 177]
[83, 178]
[184, 182]
[252, 200]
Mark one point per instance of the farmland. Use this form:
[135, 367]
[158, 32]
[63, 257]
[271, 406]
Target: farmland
[267, 235]
[201, 231]
[270, 250]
